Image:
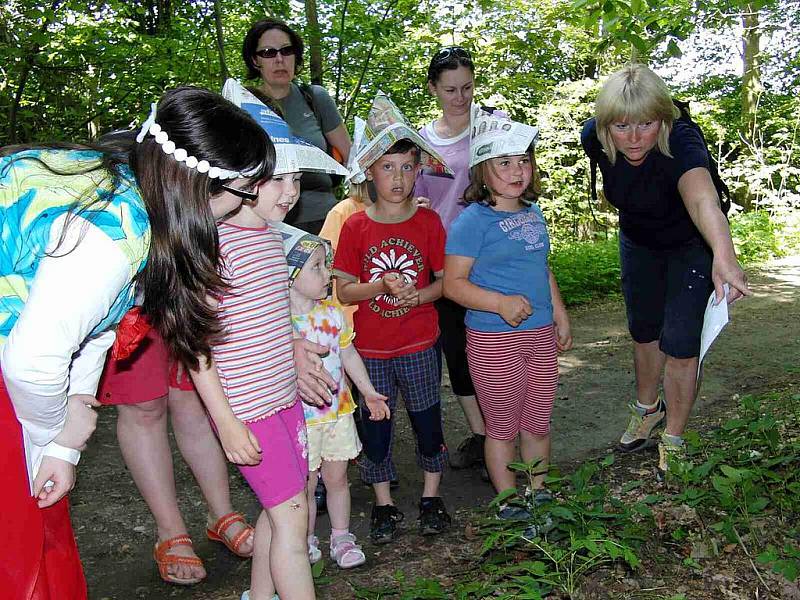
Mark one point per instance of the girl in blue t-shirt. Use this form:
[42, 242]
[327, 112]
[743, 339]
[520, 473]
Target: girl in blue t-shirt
[496, 266]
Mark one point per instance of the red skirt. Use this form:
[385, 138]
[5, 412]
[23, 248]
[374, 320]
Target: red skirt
[38, 557]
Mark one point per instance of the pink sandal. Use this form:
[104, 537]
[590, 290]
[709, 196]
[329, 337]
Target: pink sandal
[346, 552]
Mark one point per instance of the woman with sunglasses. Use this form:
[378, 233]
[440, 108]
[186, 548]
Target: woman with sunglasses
[273, 52]
[675, 245]
[451, 79]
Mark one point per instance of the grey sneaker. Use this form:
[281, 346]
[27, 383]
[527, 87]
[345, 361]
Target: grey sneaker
[537, 524]
[669, 453]
[469, 452]
[641, 426]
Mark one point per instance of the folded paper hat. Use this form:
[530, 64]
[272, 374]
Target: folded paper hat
[298, 246]
[293, 154]
[493, 136]
[384, 126]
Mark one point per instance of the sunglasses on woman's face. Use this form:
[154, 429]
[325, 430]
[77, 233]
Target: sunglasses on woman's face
[454, 51]
[240, 193]
[273, 52]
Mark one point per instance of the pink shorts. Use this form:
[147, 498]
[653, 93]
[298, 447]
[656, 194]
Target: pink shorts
[145, 375]
[283, 470]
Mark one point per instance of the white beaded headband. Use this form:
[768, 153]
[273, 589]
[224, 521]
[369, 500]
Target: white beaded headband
[168, 146]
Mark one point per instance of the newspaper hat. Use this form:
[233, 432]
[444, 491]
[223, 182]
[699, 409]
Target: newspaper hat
[292, 154]
[298, 246]
[384, 126]
[493, 136]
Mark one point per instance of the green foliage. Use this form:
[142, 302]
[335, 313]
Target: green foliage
[586, 270]
[755, 236]
[739, 485]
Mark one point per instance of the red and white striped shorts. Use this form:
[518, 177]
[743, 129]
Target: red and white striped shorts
[515, 375]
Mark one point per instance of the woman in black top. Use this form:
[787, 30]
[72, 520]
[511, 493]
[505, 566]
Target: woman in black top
[675, 243]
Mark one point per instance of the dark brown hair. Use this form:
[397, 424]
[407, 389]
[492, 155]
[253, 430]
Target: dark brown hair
[449, 59]
[250, 44]
[402, 146]
[478, 190]
[182, 266]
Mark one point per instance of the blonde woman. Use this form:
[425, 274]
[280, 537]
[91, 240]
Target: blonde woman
[675, 244]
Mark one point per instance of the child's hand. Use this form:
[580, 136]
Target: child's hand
[240, 445]
[514, 309]
[53, 481]
[563, 330]
[394, 284]
[376, 405]
[422, 201]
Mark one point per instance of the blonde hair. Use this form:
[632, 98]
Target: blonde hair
[634, 93]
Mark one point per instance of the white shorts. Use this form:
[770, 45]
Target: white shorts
[337, 440]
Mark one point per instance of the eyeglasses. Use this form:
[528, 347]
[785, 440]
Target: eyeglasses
[241, 193]
[273, 52]
[454, 51]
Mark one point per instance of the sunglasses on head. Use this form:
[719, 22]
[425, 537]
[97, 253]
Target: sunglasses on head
[240, 193]
[273, 52]
[453, 51]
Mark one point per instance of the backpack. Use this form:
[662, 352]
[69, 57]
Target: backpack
[308, 96]
[722, 189]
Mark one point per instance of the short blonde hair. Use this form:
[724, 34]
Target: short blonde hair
[634, 93]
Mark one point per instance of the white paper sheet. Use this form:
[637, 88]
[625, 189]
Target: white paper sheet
[714, 321]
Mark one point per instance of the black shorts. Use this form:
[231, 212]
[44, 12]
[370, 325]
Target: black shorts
[453, 341]
[666, 293]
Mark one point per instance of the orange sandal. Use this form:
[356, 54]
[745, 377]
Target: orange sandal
[164, 560]
[216, 533]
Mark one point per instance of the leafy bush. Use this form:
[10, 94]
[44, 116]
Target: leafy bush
[586, 270]
[755, 237]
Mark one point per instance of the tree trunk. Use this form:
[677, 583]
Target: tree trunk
[27, 67]
[223, 67]
[751, 88]
[751, 73]
[314, 42]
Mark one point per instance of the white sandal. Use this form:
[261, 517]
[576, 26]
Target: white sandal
[346, 552]
[314, 553]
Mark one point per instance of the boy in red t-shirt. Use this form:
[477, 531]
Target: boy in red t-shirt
[385, 256]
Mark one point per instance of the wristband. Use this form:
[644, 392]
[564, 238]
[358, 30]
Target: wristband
[70, 455]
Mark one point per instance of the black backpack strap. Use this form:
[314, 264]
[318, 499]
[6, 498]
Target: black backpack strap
[593, 178]
[723, 191]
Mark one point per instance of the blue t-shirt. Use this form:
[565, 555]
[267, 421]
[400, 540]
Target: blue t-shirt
[651, 210]
[510, 251]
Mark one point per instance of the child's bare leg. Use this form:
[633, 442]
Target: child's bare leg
[261, 584]
[334, 474]
[143, 441]
[201, 451]
[288, 553]
[533, 447]
[383, 493]
[311, 487]
[431, 482]
[498, 454]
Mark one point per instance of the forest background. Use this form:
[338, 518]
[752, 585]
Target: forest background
[74, 69]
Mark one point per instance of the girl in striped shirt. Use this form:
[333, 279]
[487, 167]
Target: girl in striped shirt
[250, 386]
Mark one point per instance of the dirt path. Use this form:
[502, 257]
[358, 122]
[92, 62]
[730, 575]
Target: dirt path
[758, 351]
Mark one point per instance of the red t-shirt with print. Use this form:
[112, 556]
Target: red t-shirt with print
[414, 249]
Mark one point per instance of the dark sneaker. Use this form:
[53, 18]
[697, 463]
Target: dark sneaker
[383, 523]
[538, 523]
[469, 452]
[321, 497]
[641, 426]
[433, 517]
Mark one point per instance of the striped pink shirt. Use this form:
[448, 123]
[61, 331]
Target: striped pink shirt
[255, 359]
